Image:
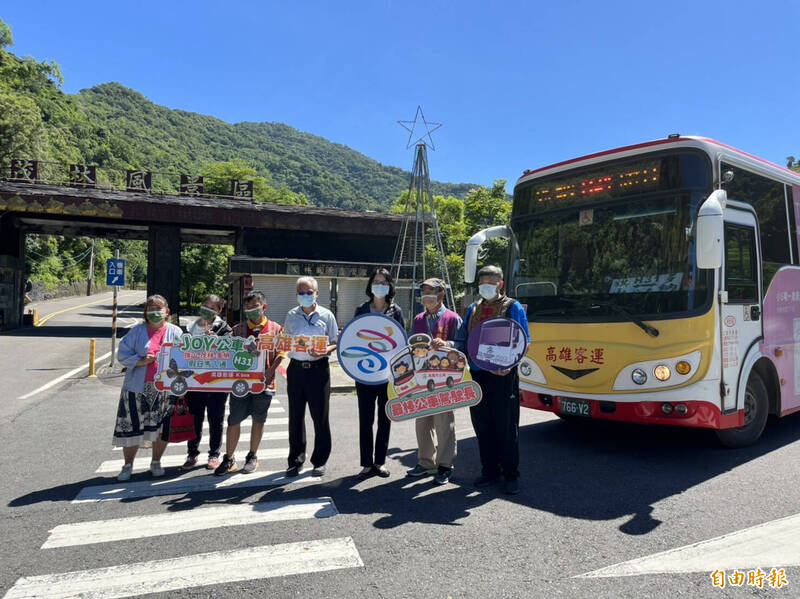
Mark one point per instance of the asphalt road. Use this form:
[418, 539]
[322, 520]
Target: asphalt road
[593, 497]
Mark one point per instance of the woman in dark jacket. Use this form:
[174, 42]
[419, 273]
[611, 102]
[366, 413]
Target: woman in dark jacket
[380, 289]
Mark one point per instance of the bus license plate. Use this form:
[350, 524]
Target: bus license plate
[576, 407]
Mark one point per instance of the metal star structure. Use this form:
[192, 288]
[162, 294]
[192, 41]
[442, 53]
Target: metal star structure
[410, 126]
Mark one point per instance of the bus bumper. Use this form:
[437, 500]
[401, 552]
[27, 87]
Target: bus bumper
[699, 413]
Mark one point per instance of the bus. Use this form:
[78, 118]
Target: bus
[661, 284]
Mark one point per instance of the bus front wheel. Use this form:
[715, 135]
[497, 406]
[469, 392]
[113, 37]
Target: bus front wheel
[756, 410]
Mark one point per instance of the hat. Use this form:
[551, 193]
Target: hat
[419, 340]
[433, 282]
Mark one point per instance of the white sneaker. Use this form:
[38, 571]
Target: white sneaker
[251, 463]
[156, 470]
[125, 474]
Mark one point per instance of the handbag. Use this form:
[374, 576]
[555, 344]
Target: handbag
[181, 422]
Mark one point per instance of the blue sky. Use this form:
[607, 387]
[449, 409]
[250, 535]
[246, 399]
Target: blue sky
[517, 84]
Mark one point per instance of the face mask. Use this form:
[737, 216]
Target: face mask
[429, 300]
[306, 301]
[156, 315]
[207, 314]
[253, 314]
[380, 291]
[487, 291]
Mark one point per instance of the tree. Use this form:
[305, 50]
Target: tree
[6, 38]
[218, 176]
[203, 270]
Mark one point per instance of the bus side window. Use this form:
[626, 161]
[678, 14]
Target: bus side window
[741, 280]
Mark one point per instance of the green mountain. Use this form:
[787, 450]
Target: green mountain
[118, 128]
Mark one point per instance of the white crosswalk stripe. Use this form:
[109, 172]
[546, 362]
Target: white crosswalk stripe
[247, 424]
[192, 484]
[268, 436]
[137, 527]
[217, 567]
[174, 460]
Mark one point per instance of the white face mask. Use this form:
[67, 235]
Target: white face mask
[306, 301]
[487, 291]
[429, 300]
[380, 291]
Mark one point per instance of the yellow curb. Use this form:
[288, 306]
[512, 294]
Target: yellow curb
[49, 316]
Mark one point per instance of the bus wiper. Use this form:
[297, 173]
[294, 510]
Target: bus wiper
[650, 330]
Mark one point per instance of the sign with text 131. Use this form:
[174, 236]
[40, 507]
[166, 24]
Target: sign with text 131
[115, 271]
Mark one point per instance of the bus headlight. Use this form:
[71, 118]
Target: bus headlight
[525, 369]
[662, 372]
[639, 376]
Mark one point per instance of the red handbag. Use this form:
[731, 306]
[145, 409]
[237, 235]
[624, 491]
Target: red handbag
[181, 422]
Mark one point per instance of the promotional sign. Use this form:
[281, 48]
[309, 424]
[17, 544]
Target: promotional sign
[211, 363]
[497, 344]
[367, 344]
[300, 344]
[428, 381]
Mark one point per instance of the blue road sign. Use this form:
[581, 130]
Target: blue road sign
[115, 271]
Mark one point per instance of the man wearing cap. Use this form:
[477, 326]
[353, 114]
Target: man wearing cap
[496, 418]
[440, 324]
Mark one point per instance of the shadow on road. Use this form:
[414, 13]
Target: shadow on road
[602, 471]
[65, 331]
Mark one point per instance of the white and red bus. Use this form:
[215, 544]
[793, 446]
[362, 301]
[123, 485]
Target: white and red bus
[662, 286]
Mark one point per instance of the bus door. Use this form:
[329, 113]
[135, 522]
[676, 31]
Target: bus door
[740, 316]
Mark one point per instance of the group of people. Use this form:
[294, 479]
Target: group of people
[144, 412]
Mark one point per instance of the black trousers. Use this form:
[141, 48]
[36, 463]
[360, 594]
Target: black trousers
[310, 386]
[496, 423]
[201, 402]
[368, 397]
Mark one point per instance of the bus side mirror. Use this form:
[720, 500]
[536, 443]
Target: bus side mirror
[474, 244]
[708, 241]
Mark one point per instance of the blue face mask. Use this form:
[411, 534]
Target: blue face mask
[380, 291]
[306, 301]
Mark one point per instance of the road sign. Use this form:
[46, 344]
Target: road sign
[115, 271]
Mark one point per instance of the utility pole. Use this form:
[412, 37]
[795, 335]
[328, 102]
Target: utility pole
[91, 271]
[114, 320]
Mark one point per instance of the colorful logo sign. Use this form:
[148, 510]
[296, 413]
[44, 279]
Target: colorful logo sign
[366, 346]
[497, 344]
[211, 363]
[428, 381]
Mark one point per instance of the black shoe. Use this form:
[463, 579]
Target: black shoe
[292, 471]
[511, 487]
[318, 471]
[443, 475]
[366, 473]
[381, 471]
[227, 466]
[485, 481]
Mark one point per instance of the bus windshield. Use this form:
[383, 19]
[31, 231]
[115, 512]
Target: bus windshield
[583, 263]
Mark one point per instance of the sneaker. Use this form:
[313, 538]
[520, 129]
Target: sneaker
[213, 462]
[250, 463]
[511, 487]
[125, 474]
[318, 471]
[485, 481]
[292, 471]
[156, 470]
[227, 466]
[191, 462]
[443, 475]
[419, 470]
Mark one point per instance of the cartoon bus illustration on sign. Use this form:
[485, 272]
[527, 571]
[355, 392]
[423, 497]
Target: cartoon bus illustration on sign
[419, 367]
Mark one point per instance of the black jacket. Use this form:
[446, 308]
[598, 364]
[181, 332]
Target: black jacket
[392, 311]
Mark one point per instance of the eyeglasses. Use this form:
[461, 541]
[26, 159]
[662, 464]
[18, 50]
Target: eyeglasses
[306, 292]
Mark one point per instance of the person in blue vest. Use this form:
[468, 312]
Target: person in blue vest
[496, 418]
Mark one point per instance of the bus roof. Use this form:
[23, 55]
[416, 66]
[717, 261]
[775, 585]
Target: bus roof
[727, 153]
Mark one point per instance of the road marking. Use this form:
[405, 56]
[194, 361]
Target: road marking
[775, 543]
[217, 567]
[63, 377]
[268, 436]
[170, 461]
[138, 527]
[44, 319]
[193, 484]
[246, 424]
